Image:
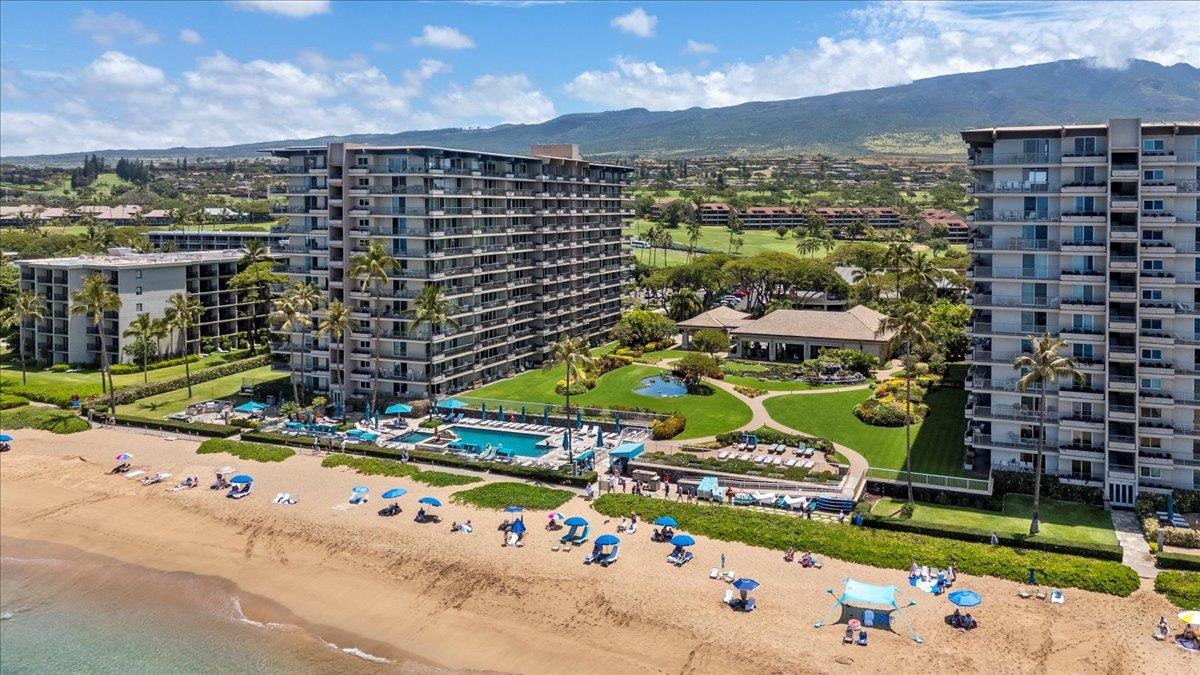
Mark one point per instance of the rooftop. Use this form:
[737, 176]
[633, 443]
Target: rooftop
[433, 148]
[860, 324]
[721, 318]
[123, 258]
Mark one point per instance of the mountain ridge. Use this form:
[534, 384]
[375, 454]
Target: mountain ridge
[1058, 92]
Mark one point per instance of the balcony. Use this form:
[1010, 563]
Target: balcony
[1011, 187]
[1123, 232]
[1157, 217]
[1125, 171]
[1084, 245]
[1123, 203]
[981, 215]
[1084, 216]
[992, 159]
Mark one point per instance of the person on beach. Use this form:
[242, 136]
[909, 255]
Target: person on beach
[666, 489]
[591, 492]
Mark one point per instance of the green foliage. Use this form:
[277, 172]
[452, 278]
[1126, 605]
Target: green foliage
[878, 548]
[248, 451]
[695, 365]
[579, 385]
[948, 328]
[370, 466]
[668, 428]
[736, 466]
[47, 419]
[127, 368]
[1181, 588]
[8, 401]
[710, 341]
[768, 435]
[497, 496]
[137, 391]
[906, 511]
[851, 360]
[430, 423]
[60, 368]
[1172, 536]
[197, 428]
[1179, 561]
[639, 327]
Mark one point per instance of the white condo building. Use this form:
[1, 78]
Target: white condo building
[1089, 232]
[528, 249]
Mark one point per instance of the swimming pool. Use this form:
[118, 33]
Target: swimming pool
[661, 386]
[513, 442]
[369, 436]
[415, 437]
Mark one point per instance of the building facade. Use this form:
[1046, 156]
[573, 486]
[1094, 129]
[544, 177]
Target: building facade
[1089, 233]
[145, 282]
[183, 240]
[528, 249]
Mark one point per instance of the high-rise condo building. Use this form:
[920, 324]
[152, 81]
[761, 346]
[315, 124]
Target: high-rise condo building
[1090, 233]
[527, 249]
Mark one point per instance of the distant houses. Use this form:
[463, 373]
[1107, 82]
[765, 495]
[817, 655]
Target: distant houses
[956, 225]
[124, 214]
[771, 217]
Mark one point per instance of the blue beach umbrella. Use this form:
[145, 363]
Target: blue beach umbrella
[682, 540]
[575, 521]
[546, 417]
[361, 489]
[666, 521]
[513, 509]
[394, 493]
[1032, 580]
[452, 404]
[240, 479]
[744, 584]
[965, 598]
[522, 414]
[578, 418]
[599, 438]
[617, 421]
[432, 501]
[518, 526]
[398, 408]
[608, 540]
[500, 412]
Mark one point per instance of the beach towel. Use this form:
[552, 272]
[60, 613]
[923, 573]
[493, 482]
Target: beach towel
[133, 474]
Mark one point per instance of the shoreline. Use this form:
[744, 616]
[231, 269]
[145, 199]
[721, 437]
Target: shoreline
[462, 602]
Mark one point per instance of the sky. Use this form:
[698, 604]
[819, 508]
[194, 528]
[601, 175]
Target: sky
[78, 76]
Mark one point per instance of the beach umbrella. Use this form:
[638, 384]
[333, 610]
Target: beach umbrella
[546, 417]
[1190, 616]
[599, 438]
[432, 501]
[575, 521]
[666, 521]
[1170, 505]
[376, 419]
[555, 515]
[452, 404]
[617, 421]
[965, 598]
[120, 458]
[744, 584]
[512, 508]
[578, 418]
[567, 441]
[682, 540]
[518, 526]
[240, 479]
[361, 489]
[500, 412]
[608, 540]
[522, 414]
[1032, 580]
[483, 410]
[225, 469]
[398, 408]
[394, 493]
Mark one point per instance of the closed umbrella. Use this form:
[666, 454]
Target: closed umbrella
[666, 521]
[522, 414]
[394, 493]
[500, 412]
[546, 417]
[617, 422]
[965, 598]
[599, 438]
[682, 540]
[483, 410]
[575, 521]
[1170, 505]
[431, 501]
[578, 418]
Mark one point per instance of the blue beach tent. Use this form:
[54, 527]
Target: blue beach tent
[869, 596]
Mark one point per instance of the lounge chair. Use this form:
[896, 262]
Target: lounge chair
[848, 638]
[794, 502]
[862, 638]
[714, 573]
[685, 558]
[745, 457]
[808, 464]
[764, 498]
[728, 599]
[240, 491]
[1040, 595]
[778, 461]
[155, 478]
[722, 455]
[611, 557]
[749, 605]
[729, 576]
[1056, 596]
[675, 555]
[1023, 593]
[594, 556]
[761, 459]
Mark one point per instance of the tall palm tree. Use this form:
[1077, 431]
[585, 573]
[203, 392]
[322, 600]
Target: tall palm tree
[898, 256]
[307, 298]
[372, 267]
[256, 281]
[183, 312]
[93, 298]
[27, 306]
[142, 329]
[573, 352]
[160, 331]
[923, 273]
[665, 241]
[693, 236]
[254, 251]
[433, 309]
[907, 329]
[1043, 365]
[289, 318]
[335, 324]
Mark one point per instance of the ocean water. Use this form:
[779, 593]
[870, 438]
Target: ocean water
[68, 612]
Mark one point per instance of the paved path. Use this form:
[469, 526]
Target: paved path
[1136, 553]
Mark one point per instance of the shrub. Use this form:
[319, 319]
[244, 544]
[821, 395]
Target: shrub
[852, 360]
[888, 412]
[668, 428]
[890, 550]
[895, 388]
[243, 423]
[248, 451]
[46, 419]
[1178, 561]
[640, 328]
[497, 496]
[1181, 588]
[430, 423]
[606, 363]
[769, 435]
[1172, 536]
[59, 368]
[749, 392]
[369, 466]
[8, 401]
[695, 365]
[578, 386]
[1186, 501]
[128, 368]
[139, 391]
[906, 511]
[198, 428]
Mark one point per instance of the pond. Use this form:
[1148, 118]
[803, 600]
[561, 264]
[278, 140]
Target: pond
[661, 386]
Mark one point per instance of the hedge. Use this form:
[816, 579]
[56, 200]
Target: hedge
[47, 419]
[1181, 588]
[130, 368]
[138, 391]
[1003, 484]
[526, 472]
[1084, 549]
[8, 401]
[248, 451]
[878, 548]
[1178, 561]
[384, 467]
[668, 428]
[498, 496]
[197, 428]
[1172, 536]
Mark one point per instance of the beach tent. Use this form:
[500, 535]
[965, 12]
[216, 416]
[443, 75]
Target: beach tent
[628, 450]
[863, 595]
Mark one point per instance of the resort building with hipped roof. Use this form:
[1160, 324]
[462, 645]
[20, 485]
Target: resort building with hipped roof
[721, 318]
[800, 334]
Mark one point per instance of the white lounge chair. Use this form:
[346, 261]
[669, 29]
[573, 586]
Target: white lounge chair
[765, 498]
[790, 463]
[761, 459]
[728, 596]
[722, 455]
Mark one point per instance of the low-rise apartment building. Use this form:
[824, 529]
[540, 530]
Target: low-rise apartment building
[771, 217]
[715, 213]
[956, 226]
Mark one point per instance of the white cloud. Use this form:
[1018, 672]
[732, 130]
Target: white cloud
[511, 98]
[109, 29]
[296, 9]
[696, 47]
[190, 36]
[896, 43]
[637, 22]
[442, 37]
[114, 69]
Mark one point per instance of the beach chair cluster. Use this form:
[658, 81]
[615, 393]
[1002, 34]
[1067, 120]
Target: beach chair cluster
[1173, 519]
[680, 556]
[774, 456]
[514, 426]
[1055, 595]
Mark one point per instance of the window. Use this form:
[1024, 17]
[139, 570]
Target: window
[1150, 442]
[1151, 472]
[1038, 176]
[1082, 322]
[1085, 174]
[1152, 265]
[1037, 208]
[137, 291]
[1152, 145]
[1151, 324]
[1082, 352]
[1085, 204]
[1151, 413]
[1152, 205]
[137, 274]
[1085, 145]
[362, 160]
[1152, 175]
[1151, 354]
[137, 307]
[1152, 235]
[1081, 467]
[1037, 148]
[1084, 233]
[1151, 383]
[1152, 295]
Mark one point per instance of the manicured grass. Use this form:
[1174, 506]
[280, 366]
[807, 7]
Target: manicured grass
[717, 238]
[225, 388]
[743, 367]
[87, 383]
[38, 417]
[706, 415]
[498, 496]
[1066, 521]
[672, 354]
[256, 452]
[369, 466]
[1181, 588]
[937, 442]
[772, 385]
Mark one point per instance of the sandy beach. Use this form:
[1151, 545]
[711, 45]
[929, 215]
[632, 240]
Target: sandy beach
[417, 593]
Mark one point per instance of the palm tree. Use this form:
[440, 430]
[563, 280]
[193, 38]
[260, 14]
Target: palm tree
[735, 228]
[652, 236]
[288, 317]
[335, 324]
[924, 274]
[431, 308]
[808, 245]
[183, 312]
[254, 251]
[160, 330]
[665, 241]
[906, 328]
[573, 352]
[868, 277]
[693, 236]
[372, 267]
[306, 297]
[1043, 365]
[684, 304]
[737, 244]
[898, 256]
[141, 329]
[93, 298]
[256, 280]
[28, 305]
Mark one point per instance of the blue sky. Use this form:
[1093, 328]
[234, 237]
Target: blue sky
[89, 75]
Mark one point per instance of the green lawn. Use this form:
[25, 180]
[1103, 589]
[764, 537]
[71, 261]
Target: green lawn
[225, 388]
[706, 415]
[1059, 520]
[716, 238]
[87, 383]
[937, 442]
